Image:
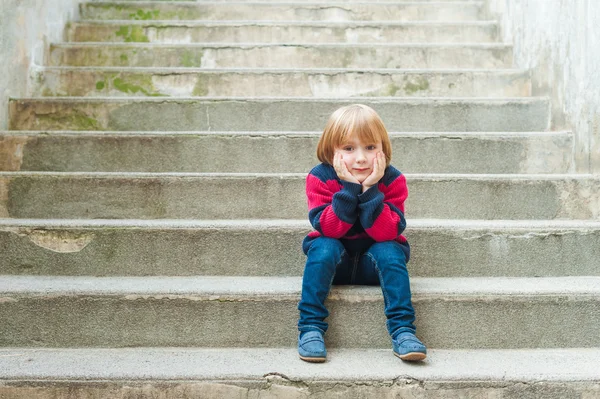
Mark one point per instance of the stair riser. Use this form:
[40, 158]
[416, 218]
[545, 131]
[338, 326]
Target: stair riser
[277, 197]
[283, 34]
[267, 84]
[275, 153]
[442, 252]
[282, 56]
[284, 12]
[277, 387]
[355, 321]
[274, 115]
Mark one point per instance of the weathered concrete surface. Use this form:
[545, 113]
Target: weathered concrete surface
[281, 196]
[143, 373]
[558, 40]
[26, 29]
[182, 32]
[209, 55]
[236, 311]
[99, 82]
[278, 387]
[439, 248]
[277, 152]
[271, 114]
[287, 11]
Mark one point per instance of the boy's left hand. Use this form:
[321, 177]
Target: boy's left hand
[378, 171]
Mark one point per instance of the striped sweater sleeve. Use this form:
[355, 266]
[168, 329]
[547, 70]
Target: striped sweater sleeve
[332, 204]
[381, 208]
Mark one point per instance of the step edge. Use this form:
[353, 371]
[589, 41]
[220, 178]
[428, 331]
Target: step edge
[241, 288]
[122, 365]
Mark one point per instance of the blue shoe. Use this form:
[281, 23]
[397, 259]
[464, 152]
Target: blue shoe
[408, 347]
[311, 347]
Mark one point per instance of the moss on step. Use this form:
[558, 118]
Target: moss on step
[136, 84]
[420, 83]
[133, 34]
[201, 86]
[392, 90]
[142, 15]
[191, 59]
[73, 121]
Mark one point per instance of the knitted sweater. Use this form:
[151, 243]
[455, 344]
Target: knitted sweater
[338, 209]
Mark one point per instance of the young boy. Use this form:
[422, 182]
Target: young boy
[356, 206]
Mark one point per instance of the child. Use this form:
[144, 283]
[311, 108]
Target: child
[356, 206]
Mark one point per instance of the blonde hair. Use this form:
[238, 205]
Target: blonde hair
[356, 120]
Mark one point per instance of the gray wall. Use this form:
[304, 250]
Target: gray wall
[26, 29]
[560, 41]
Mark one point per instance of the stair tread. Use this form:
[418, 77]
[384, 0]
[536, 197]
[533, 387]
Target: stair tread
[189, 70]
[374, 100]
[250, 45]
[214, 364]
[240, 287]
[250, 22]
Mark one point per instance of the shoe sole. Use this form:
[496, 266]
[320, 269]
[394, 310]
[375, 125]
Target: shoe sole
[412, 356]
[313, 359]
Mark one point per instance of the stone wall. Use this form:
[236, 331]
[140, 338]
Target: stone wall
[560, 41]
[27, 27]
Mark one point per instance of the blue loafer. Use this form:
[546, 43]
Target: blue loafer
[408, 347]
[311, 347]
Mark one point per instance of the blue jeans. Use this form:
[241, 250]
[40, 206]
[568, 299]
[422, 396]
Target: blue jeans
[331, 262]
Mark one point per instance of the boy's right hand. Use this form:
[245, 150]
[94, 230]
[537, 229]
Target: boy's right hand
[341, 169]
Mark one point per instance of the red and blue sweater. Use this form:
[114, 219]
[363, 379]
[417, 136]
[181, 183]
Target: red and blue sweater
[338, 209]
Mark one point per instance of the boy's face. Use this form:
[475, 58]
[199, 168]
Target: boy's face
[358, 157]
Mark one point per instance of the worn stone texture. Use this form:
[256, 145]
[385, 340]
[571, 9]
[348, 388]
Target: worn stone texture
[270, 114]
[272, 388]
[282, 56]
[281, 32]
[99, 82]
[11, 152]
[285, 12]
[280, 196]
[63, 312]
[448, 249]
[279, 152]
[559, 40]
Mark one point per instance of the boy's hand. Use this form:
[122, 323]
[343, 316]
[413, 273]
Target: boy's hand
[377, 174]
[341, 169]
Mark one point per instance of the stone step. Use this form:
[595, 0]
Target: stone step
[286, 11]
[177, 82]
[439, 248]
[181, 32]
[275, 114]
[276, 152]
[282, 196]
[122, 311]
[235, 55]
[165, 373]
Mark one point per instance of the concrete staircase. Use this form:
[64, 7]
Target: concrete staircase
[152, 208]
